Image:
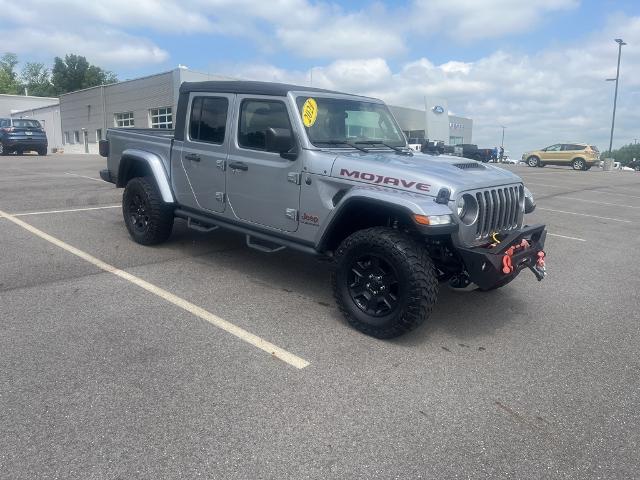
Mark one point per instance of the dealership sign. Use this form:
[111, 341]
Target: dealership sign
[438, 109]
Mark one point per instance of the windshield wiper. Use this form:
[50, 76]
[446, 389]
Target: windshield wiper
[401, 151]
[342, 142]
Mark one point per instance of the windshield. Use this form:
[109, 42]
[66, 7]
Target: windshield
[334, 121]
[26, 123]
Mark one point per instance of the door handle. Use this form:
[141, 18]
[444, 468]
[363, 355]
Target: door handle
[193, 157]
[239, 166]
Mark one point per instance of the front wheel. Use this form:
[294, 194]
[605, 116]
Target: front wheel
[148, 219]
[533, 161]
[384, 282]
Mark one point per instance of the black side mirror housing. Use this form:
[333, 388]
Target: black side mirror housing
[103, 148]
[280, 140]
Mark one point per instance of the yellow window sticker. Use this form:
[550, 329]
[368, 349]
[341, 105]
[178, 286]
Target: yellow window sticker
[309, 112]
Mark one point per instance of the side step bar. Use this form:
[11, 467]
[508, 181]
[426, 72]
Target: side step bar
[269, 243]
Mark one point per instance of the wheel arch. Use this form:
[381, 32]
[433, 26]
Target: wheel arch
[138, 163]
[363, 210]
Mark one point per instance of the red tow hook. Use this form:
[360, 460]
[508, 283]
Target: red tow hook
[507, 265]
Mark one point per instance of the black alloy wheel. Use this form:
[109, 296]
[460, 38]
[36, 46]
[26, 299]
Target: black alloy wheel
[384, 281]
[139, 213]
[373, 285]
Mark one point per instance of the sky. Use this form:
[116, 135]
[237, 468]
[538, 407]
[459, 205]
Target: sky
[537, 67]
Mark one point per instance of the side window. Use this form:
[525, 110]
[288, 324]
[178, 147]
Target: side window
[554, 148]
[256, 117]
[208, 121]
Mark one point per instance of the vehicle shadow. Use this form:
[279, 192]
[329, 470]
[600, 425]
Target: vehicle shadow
[463, 315]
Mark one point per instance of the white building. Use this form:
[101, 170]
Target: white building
[16, 103]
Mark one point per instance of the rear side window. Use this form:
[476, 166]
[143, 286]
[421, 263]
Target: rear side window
[572, 146]
[208, 122]
[256, 117]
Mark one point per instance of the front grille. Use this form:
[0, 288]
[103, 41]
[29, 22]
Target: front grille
[498, 210]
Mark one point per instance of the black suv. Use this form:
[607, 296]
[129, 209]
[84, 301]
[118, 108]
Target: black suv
[21, 135]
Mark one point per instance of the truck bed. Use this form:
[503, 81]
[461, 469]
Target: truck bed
[154, 140]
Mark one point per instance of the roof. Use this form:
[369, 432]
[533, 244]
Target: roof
[248, 87]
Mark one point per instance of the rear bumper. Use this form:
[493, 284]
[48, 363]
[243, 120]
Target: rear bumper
[25, 142]
[106, 176]
[488, 267]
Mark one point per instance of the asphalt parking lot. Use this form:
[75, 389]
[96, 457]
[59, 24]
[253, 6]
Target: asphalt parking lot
[102, 378]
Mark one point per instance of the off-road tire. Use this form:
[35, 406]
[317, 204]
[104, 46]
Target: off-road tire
[578, 164]
[533, 161]
[158, 216]
[416, 279]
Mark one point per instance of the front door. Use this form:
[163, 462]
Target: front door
[204, 152]
[552, 154]
[263, 187]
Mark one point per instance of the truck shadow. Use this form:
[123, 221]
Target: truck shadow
[463, 315]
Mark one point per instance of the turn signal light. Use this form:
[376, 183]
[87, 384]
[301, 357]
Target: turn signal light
[433, 219]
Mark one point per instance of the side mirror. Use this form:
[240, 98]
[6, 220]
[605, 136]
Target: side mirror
[280, 140]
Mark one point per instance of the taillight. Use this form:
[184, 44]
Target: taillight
[8, 129]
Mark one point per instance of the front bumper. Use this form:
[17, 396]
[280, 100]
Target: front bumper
[106, 176]
[488, 267]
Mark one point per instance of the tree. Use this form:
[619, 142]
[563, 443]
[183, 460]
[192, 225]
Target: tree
[36, 80]
[8, 76]
[624, 154]
[75, 73]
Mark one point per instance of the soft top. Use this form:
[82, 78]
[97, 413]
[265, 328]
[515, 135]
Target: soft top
[248, 87]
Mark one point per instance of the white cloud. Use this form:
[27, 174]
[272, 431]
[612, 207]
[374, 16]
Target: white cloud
[553, 96]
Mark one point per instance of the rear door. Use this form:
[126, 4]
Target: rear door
[572, 151]
[263, 187]
[204, 151]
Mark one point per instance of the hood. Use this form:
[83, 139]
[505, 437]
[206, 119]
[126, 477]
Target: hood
[420, 173]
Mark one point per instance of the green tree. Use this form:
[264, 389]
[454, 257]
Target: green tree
[624, 154]
[36, 80]
[75, 73]
[8, 76]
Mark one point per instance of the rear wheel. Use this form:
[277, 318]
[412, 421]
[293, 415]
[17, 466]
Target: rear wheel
[384, 282]
[578, 164]
[2, 149]
[533, 161]
[42, 152]
[148, 219]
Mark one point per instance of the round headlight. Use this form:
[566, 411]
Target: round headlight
[467, 209]
[460, 207]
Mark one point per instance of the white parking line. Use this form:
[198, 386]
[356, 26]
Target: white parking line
[614, 193]
[568, 238]
[602, 203]
[585, 215]
[45, 212]
[544, 185]
[199, 312]
[84, 176]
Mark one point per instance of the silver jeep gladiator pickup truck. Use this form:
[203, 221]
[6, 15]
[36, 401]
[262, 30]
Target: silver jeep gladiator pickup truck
[329, 174]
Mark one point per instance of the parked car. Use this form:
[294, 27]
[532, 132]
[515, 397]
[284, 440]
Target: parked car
[635, 165]
[415, 144]
[297, 167]
[19, 135]
[580, 156]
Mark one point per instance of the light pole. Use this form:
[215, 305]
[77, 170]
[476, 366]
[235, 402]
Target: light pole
[502, 144]
[615, 95]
